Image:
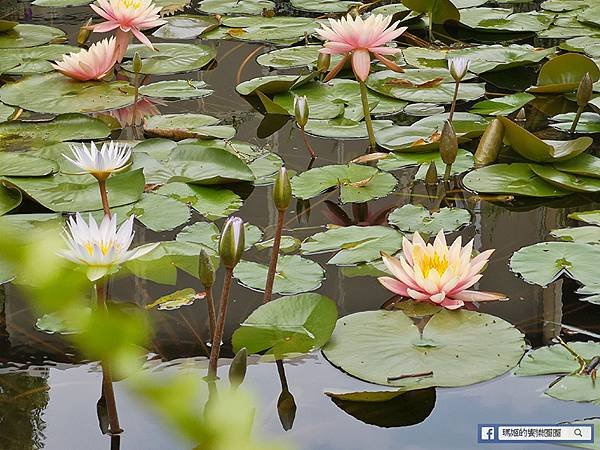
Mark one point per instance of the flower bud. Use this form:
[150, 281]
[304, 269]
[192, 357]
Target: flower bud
[301, 110]
[84, 32]
[448, 144]
[137, 63]
[231, 244]
[521, 116]
[458, 68]
[206, 271]
[282, 190]
[323, 62]
[584, 91]
[237, 369]
[432, 174]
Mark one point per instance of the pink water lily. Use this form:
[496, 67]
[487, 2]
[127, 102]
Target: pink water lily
[127, 17]
[437, 273]
[360, 39]
[92, 64]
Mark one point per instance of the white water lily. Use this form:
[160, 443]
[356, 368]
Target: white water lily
[458, 68]
[101, 248]
[112, 157]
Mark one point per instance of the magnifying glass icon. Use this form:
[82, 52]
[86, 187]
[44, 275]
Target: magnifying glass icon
[577, 432]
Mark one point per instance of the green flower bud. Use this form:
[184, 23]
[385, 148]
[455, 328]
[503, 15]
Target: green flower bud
[206, 271]
[231, 244]
[301, 110]
[137, 63]
[282, 190]
[584, 91]
[431, 176]
[237, 369]
[84, 32]
[448, 144]
[323, 62]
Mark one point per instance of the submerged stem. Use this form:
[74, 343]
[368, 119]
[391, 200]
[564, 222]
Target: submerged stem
[218, 335]
[311, 151]
[104, 197]
[454, 99]
[274, 257]
[576, 120]
[364, 97]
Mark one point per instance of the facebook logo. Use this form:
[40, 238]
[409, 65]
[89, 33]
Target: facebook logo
[487, 433]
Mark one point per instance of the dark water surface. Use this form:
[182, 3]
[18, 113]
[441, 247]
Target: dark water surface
[48, 397]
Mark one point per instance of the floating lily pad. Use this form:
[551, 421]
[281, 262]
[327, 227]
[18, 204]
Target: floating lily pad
[35, 60]
[170, 58]
[502, 106]
[176, 300]
[179, 89]
[208, 234]
[592, 217]
[324, 6]
[449, 342]
[545, 262]
[354, 244]
[236, 6]
[395, 161]
[566, 181]
[357, 183]
[184, 126]
[212, 202]
[294, 275]
[25, 165]
[61, 3]
[342, 128]
[297, 324]
[411, 218]
[288, 244]
[588, 122]
[582, 235]
[277, 30]
[516, 179]
[9, 200]
[56, 323]
[186, 26]
[28, 35]
[503, 20]
[270, 84]
[292, 57]
[563, 74]
[439, 10]
[55, 93]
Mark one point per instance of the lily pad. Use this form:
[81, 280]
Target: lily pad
[545, 262]
[555, 359]
[437, 356]
[563, 74]
[270, 84]
[26, 35]
[588, 122]
[354, 244]
[591, 217]
[582, 235]
[515, 179]
[440, 10]
[504, 20]
[176, 89]
[297, 324]
[342, 128]
[9, 200]
[410, 218]
[35, 59]
[170, 58]
[207, 234]
[395, 161]
[566, 181]
[236, 6]
[213, 202]
[277, 30]
[184, 126]
[176, 300]
[25, 165]
[294, 275]
[57, 323]
[357, 183]
[55, 93]
[502, 106]
[293, 57]
[288, 244]
[325, 6]
[186, 26]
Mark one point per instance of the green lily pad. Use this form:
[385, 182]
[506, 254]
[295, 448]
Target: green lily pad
[545, 262]
[207, 234]
[563, 74]
[186, 26]
[9, 200]
[183, 126]
[297, 324]
[69, 193]
[502, 106]
[515, 179]
[57, 323]
[293, 57]
[533, 148]
[55, 93]
[176, 89]
[582, 235]
[270, 84]
[440, 10]
[588, 122]
[342, 128]
[354, 244]
[395, 161]
[176, 300]
[35, 59]
[170, 58]
[555, 359]
[26, 35]
[230, 7]
[566, 181]
[212, 202]
[277, 30]
[25, 165]
[449, 342]
[324, 6]
[591, 217]
[357, 183]
[294, 275]
[504, 20]
[61, 3]
[410, 218]
[288, 244]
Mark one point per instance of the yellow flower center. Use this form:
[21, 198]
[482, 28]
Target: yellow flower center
[104, 247]
[135, 4]
[426, 263]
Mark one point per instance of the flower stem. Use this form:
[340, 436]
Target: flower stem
[274, 257]
[367, 112]
[576, 120]
[454, 99]
[447, 172]
[104, 197]
[311, 151]
[218, 335]
[430, 18]
[210, 303]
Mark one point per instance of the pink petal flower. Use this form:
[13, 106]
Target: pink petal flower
[361, 64]
[92, 64]
[393, 285]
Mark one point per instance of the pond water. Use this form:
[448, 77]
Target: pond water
[48, 395]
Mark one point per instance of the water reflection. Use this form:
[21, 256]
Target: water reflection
[286, 404]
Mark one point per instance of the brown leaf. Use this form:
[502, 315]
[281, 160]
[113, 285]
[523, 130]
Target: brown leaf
[369, 157]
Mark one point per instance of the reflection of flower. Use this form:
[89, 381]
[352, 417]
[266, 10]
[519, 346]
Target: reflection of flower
[128, 17]
[101, 247]
[437, 273]
[112, 157]
[458, 67]
[135, 114]
[361, 38]
[92, 64]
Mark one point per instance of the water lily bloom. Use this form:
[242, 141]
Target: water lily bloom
[301, 110]
[127, 17]
[458, 68]
[360, 39]
[437, 273]
[92, 64]
[112, 157]
[101, 248]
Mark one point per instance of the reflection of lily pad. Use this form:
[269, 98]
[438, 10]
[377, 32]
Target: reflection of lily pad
[411, 218]
[170, 58]
[386, 347]
[357, 183]
[294, 275]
